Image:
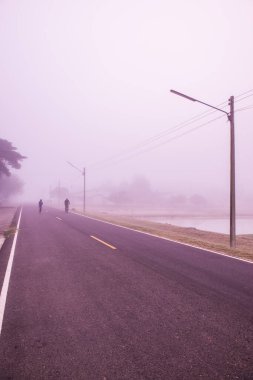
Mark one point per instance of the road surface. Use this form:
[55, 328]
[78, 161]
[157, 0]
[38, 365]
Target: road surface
[90, 300]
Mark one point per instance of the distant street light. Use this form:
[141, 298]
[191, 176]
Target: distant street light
[83, 173]
[230, 116]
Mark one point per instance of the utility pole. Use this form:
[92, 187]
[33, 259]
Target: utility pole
[232, 173]
[84, 190]
[58, 193]
[230, 116]
[83, 173]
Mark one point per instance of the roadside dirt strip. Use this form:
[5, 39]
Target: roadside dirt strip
[211, 241]
[6, 217]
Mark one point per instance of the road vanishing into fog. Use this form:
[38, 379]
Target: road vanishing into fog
[140, 307]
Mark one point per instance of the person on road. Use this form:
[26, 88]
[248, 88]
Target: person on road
[66, 203]
[40, 205]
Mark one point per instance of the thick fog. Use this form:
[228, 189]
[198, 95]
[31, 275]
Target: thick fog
[88, 82]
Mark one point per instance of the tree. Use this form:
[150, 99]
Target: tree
[140, 189]
[138, 192]
[9, 157]
[9, 186]
[59, 192]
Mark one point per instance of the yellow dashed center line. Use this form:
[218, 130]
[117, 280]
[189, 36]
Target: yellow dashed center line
[103, 242]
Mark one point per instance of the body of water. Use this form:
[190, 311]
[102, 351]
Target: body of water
[244, 224]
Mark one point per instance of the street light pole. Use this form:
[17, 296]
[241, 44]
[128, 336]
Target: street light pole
[232, 174]
[83, 173]
[230, 116]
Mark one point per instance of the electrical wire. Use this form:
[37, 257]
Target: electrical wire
[149, 141]
[160, 135]
[244, 93]
[160, 144]
[245, 108]
[245, 97]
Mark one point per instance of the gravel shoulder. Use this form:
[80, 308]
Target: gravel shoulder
[204, 239]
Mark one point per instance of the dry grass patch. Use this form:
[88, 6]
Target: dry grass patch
[10, 232]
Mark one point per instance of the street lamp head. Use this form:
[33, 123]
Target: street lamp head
[199, 101]
[73, 166]
[183, 95]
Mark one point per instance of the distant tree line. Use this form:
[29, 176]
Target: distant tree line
[140, 194]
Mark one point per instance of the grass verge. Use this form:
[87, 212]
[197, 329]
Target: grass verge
[203, 239]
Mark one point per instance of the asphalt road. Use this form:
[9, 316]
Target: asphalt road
[149, 309]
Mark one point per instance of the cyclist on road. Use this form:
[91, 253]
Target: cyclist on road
[40, 205]
[66, 203]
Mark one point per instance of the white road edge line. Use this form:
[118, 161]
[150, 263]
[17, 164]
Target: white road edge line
[164, 238]
[57, 217]
[8, 275]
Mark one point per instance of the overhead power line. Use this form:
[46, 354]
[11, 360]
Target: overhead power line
[148, 143]
[245, 108]
[156, 137]
[245, 97]
[130, 156]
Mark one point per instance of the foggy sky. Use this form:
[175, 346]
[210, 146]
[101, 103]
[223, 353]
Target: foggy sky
[84, 80]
